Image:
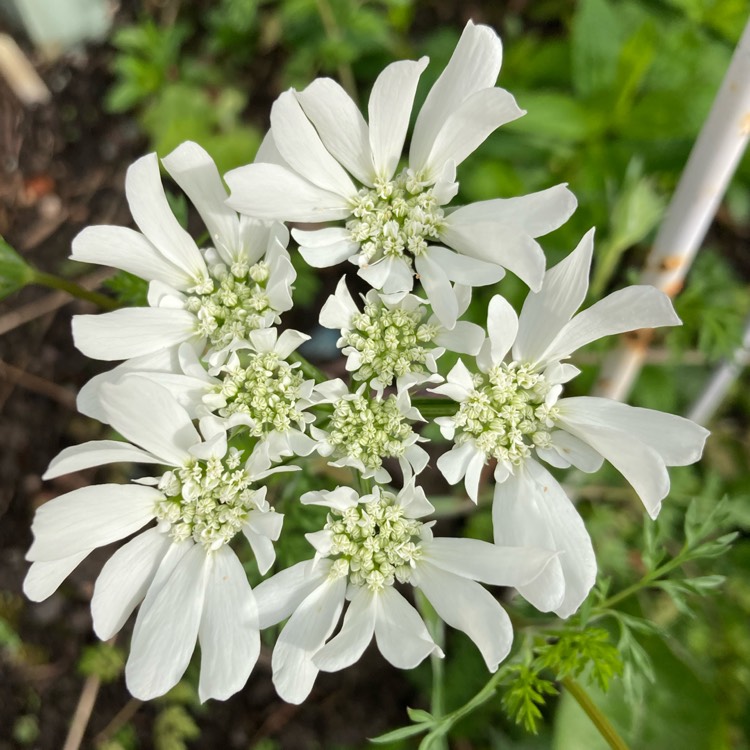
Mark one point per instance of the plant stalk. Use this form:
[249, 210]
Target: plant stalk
[598, 719]
[73, 289]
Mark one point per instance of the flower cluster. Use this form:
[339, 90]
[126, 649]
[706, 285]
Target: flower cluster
[209, 390]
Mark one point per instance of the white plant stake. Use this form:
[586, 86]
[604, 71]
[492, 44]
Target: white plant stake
[712, 163]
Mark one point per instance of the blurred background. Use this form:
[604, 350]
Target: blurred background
[616, 92]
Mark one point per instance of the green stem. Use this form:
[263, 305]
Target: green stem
[309, 369]
[598, 719]
[333, 32]
[435, 407]
[75, 290]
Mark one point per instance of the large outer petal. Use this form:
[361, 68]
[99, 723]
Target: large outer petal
[300, 145]
[530, 508]
[155, 219]
[474, 65]
[545, 312]
[90, 517]
[132, 332]
[467, 606]
[44, 578]
[625, 310]
[130, 251]
[124, 580]
[270, 191]
[340, 126]
[167, 628]
[96, 453]
[146, 414]
[229, 637]
[389, 110]
[195, 172]
[304, 634]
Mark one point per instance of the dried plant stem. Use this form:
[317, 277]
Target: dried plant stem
[712, 163]
[82, 713]
[122, 717]
[599, 720]
[723, 378]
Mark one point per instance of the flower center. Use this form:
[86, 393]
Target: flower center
[374, 544]
[390, 342]
[507, 414]
[368, 430]
[394, 218]
[206, 500]
[266, 389]
[234, 303]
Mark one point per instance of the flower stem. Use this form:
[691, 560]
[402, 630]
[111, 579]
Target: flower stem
[599, 720]
[435, 406]
[75, 290]
[309, 369]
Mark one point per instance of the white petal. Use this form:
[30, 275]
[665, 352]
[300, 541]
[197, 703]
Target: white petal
[167, 627]
[339, 308]
[392, 275]
[146, 414]
[535, 214]
[96, 453]
[124, 580]
[304, 634]
[302, 149]
[677, 440]
[400, 633]
[438, 288]
[340, 126]
[228, 633]
[625, 310]
[464, 269]
[465, 338]
[131, 332]
[329, 255]
[263, 550]
[195, 172]
[502, 327]
[320, 237]
[90, 517]
[130, 251]
[454, 464]
[530, 508]
[44, 578]
[155, 219]
[355, 634]
[488, 563]
[277, 597]
[474, 65]
[270, 191]
[546, 312]
[467, 606]
[469, 125]
[389, 110]
[575, 452]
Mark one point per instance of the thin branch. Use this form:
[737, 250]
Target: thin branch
[82, 713]
[122, 717]
[724, 377]
[36, 384]
[598, 719]
[74, 290]
[712, 163]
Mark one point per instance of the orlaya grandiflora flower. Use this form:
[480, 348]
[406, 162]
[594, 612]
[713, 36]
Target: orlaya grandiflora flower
[322, 162]
[363, 430]
[367, 544]
[395, 337]
[512, 412]
[190, 582]
[205, 296]
[248, 386]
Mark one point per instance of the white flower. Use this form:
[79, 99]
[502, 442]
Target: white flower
[362, 431]
[395, 337]
[395, 222]
[207, 296]
[189, 581]
[512, 412]
[367, 545]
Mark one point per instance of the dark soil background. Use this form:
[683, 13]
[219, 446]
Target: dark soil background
[62, 167]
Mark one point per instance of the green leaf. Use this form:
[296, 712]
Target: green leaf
[554, 116]
[400, 734]
[15, 273]
[418, 716]
[596, 39]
